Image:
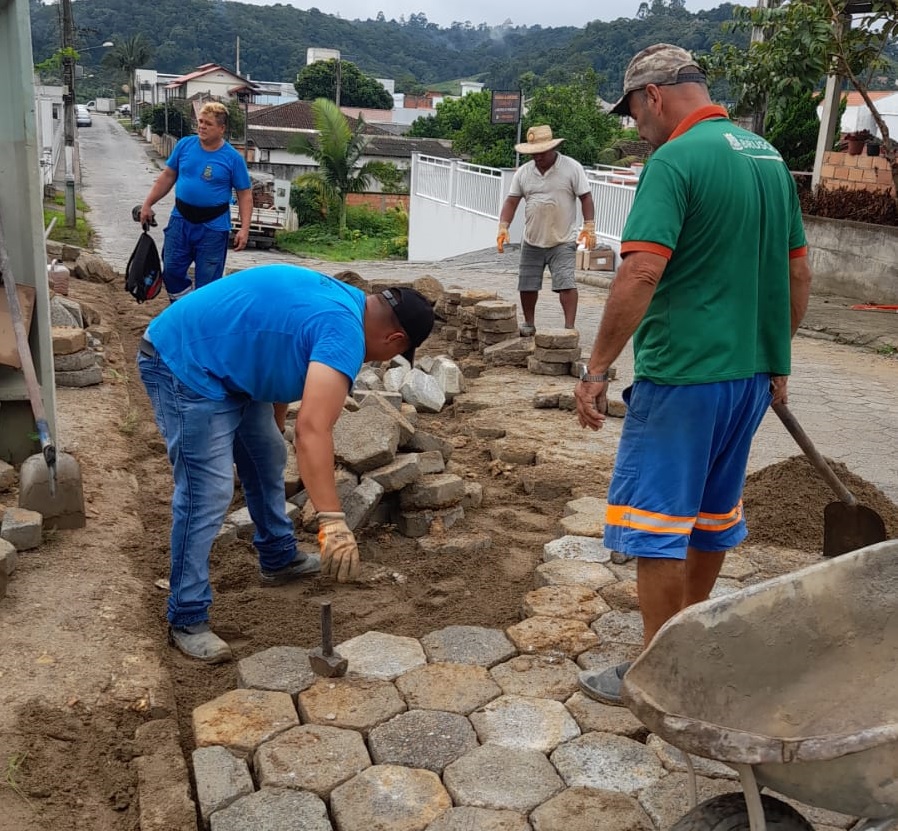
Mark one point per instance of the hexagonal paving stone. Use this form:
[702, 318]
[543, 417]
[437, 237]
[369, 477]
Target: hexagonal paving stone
[273, 810]
[389, 798]
[353, 703]
[468, 645]
[427, 739]
[737, 567]
[479, 819]
[502, 778]
[552, 635]
[280, 668]
[542, 676]
[622, 596]
[524, 723]
[619, 627]
[667, 800]
[242, 719]
[593, 716]
[573, 573]
[311, 758]
[585, 549]
[452, 688]
[383, 656]
[674, 760]
[587, 505]
[607, 762]
[609, 655]
[584, 809]
[572, 602]
[582, 525]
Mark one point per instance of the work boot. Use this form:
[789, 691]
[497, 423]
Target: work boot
[200, 642]
[303, 565]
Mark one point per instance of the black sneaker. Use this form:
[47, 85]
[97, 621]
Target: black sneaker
[200, 642]
[303, 565]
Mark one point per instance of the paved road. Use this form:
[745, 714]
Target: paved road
[843, 396]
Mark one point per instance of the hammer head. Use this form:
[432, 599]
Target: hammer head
[327, 666]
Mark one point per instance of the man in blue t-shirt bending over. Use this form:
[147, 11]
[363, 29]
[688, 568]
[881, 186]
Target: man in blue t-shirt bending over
[215, 364]
[203, 169]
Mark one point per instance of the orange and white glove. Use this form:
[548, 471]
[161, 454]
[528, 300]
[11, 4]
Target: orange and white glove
[339, 550]
[587, 236]
[502, 238]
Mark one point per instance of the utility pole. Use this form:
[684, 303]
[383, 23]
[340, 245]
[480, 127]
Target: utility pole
[68, 80]
[759, 116]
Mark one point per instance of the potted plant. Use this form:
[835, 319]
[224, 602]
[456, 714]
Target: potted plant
[873, 146]
[856, 141]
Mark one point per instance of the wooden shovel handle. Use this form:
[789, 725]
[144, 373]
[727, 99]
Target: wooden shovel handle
[817, 460]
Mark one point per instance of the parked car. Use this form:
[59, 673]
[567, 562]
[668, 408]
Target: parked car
[124, 109]
[82, 116]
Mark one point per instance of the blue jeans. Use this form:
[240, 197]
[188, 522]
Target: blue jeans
[190, 242]
[204, 439]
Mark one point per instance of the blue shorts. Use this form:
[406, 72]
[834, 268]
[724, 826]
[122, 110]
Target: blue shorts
[680, 467]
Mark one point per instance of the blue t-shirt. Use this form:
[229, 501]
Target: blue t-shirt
[206, 178]
[255, 333]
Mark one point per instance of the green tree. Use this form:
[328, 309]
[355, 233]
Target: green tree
[391, 178]
[794, 131]
[154, 117]
[128, 56]
[319, 80]
[336, 148]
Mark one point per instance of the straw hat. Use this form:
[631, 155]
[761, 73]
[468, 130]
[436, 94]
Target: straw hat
[539, 140]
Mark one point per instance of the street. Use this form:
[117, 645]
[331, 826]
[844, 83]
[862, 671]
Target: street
[843, 396]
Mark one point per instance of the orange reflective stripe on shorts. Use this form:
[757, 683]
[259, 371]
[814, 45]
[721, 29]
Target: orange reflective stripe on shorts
[719, 522]
[628, 517]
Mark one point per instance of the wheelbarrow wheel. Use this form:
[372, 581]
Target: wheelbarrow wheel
[730, 813]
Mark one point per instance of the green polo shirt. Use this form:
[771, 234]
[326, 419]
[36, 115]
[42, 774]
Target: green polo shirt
[719, 202]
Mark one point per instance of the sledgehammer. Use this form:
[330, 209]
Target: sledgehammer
[323, 660]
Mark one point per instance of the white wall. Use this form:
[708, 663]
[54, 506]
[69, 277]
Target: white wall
[49, 129]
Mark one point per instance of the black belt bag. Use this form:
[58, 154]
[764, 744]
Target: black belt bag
[198, 214]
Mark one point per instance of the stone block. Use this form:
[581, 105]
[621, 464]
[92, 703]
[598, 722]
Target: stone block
[437, 490]
[350, 703]
[546, 399]
[573, 572]
[360, 397]
[468, 645]
[8, 476]
[587, 505]
[619, 627]
[737, 567]
[242, 719]
[422, 442]
[557, 339]
[394, 377]
[571, 602]
[582, 525]
[460, 350]
[94, 269]
[486, 338]
[402, 471]
[430, 461]
[518, 780]
[360, 505]
[609, 654]
[352, 278]
[604, 761]
[674, 760]
[449, 687]
[616, 408]
[277, 669]
[511, 452]
[465, 818]
[274, 809]
[553, 636]
[381, 656]
[368, 379]
[312, 757]
[221, 778]
[556, 356]
[162, 780]
[471, 297]
[423, 392]
[583, 809]
[430, 287]
[494, 310]
[567, 401]
[504, 326]
[22, 528]
[68, 340]
[540, 676]
[63, 316]
[584, 549]
[365, 440]
[390, 403]
[510, 352]
[389, 797]
[524, 723]
[408, 740]
[244, 525]
[593, 716]
[408, 412]
[667, 800]
[9, 557]
[89, 377]
[462, 545]
[416, 524]
[473, 497]
[448, 376]
[622, 596]
[537, 367]
[100, 332]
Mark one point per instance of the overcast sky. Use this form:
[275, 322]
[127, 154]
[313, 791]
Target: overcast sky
[492, 12]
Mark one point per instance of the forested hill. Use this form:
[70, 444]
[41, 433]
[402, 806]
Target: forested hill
[274, 39]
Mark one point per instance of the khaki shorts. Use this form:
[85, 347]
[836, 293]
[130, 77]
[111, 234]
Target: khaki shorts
[560, 260]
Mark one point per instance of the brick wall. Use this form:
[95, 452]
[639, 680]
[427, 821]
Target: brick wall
[855, 172]
[379, 201]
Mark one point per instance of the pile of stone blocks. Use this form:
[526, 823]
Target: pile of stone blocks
[78, 343]
[456, 308]
[554, 352]
[496, 320]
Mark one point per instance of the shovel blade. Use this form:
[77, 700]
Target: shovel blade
[850, 527]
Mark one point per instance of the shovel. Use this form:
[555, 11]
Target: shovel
[847, 525]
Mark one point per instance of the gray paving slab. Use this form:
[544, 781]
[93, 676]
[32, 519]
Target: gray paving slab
[382, 656]
[586, 809]
[543, 676]
[524, 723]
[221, 778]
[280, 668]
[274, 810]
[468, 645]
[479, 819]
[427, 739]
[454, 688]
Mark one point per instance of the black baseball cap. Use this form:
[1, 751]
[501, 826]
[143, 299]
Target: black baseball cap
[415, 316]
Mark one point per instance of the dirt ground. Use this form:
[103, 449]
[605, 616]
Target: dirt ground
[66, 754]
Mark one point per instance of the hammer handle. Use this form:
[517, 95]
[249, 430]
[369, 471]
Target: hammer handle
[327, 630]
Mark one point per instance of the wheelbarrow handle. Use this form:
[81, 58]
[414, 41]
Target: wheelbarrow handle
[813, 454]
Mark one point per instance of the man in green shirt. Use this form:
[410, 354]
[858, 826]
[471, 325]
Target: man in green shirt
[714, 283]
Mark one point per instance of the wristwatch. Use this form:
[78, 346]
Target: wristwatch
[600, 377]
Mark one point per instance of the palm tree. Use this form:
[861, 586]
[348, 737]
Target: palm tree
[336, 148]
[129, 55]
